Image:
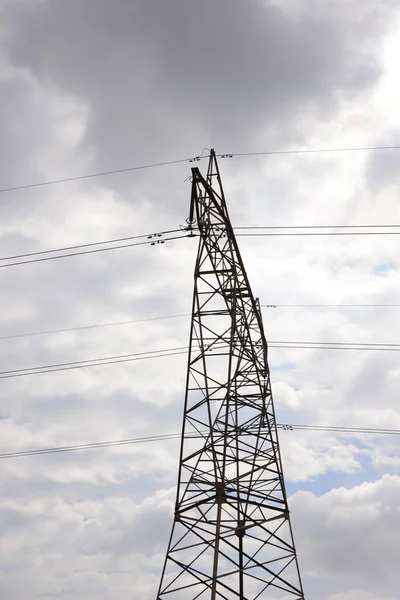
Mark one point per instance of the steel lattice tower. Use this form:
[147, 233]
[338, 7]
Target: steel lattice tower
[232, 536]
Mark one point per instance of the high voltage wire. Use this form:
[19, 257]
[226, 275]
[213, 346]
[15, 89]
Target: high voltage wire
[93, 175]
[311, 151]
[327, 305]
[333, 346]
[276, 230]
[340, 429]
[93, 362]
[161, 318]
[89, 446]
[87, 245]
[194, 159]
[168, 239]
[173, 436]
[338, 344]
[152, 238]
[149, 242]
[82, 327]
[314, 226]
[122, 358]
[318, 233]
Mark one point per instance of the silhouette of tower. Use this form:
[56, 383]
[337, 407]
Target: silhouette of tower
[231, 537]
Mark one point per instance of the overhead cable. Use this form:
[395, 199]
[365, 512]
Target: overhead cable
[314, 227]
[160, 234]
[89, 244]
[108, 360]
[327, 305]
[92, 362]
[149, 242]
[173, 436]
[194, 159]
[99, 174]
[309, 151]
[96, 326]
[317, 233]
[161, 318]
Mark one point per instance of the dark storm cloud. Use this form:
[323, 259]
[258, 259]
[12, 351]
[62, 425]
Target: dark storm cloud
[24, 123]
[163, 78]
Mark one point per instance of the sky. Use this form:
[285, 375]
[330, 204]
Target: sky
[94, 86]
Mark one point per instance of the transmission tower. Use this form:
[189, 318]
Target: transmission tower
[231, 536]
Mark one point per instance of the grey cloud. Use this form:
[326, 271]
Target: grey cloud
[161, 80]
[353, 533]
[374, 383]
[173, 76]
[92, 532]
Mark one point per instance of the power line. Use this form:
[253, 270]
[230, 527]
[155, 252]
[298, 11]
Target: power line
[109, 360]
[315, 226]
[327, 306]
[92, 362]
[112, 241]
[153, 238]
[275, 233]
[173, 436]
[131, 245]
[150, 319]
[310, 151]
[294, 345]
[334, 346]
[89, 446]
[193, 159]
[362, 344]
[170, 231]
[163, 240]
[99, 174]
[342, 429]
[82, 327]
[317, 233]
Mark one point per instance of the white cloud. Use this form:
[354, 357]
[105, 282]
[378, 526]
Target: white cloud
[350, 532]
[64, 116]
[358, 595]
[286, 394]
[307, 456]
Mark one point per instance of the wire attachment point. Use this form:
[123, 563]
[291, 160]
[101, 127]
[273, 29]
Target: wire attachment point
[190, 223]
[287, 427]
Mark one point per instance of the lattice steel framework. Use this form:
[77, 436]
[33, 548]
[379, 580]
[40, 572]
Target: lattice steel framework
[232, 536]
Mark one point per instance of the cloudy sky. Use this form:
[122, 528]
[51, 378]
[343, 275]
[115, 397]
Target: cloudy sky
[92, 85]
